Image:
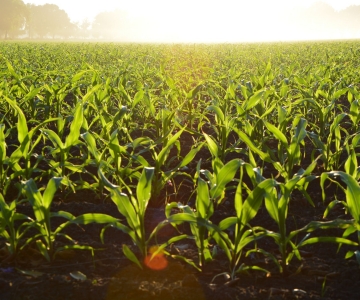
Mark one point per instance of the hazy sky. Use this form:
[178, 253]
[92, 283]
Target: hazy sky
[199, 20]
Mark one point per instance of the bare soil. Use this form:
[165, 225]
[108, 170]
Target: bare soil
[323, 272]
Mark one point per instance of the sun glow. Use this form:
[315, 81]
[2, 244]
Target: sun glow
[155, 262]
[204, 21]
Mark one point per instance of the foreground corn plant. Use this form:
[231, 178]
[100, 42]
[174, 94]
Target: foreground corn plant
[133, 209]
[243, 234]
[10, 230]
[351, 202]
[163, 170]
[277, 204]
[46, 236]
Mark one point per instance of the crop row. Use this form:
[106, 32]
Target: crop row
[128, 121]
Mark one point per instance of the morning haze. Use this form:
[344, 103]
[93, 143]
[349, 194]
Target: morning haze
[180, 21]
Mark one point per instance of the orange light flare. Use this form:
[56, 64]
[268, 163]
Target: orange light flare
[155, 262]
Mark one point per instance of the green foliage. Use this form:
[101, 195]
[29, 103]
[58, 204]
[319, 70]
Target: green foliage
[143, 116]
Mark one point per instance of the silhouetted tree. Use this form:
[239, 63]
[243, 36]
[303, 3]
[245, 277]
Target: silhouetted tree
[109, 24]
[49, 20]
[84, 29]
[12, 16]
[349, 21]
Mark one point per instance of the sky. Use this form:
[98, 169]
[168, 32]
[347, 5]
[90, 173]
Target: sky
[199, 20]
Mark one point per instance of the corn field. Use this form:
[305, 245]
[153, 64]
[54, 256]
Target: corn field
[187, 130]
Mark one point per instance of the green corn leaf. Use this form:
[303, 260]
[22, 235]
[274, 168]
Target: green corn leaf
[35, 199]
[43, 250]
[253, 100]
[272, 204]
[92, 91]
[190, 156]
[54, 138]
[2, 144]
[325, 239]
[192, 94]
[254, 200]
[94, 218]
[22, 124]
[126, 208]
[238, 201]
[264, 156]
[131, 256]
[143, 189]
[351, 164]
[354, 112]
[226, 174]
[120, 114]
[80, 74]
[339, 93]
[91, 142]
[137, 98]
[203, 201]
[277, 133]
[213, 148]
[75, 126]
[218, 112]
[352, 191]
[228, 223]
[50, 190]
[163, 153]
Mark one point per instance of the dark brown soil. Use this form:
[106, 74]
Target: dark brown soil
[323, 272]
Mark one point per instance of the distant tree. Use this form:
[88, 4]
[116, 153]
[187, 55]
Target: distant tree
[109, 24]
[12, 16]
[84, 28]
[49, 20]
[349, 21]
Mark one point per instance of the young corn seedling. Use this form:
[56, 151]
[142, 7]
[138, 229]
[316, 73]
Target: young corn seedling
[10, 230]
[351, 204]
[204, 209]
[243, 233]
[204, 231]
[133, 209]
[289, 153]
[19, 160]
[110, 157]
[332, 148]
[221, 176]
[46, 236]
[224, 123]
[163, 172]
[62, 149]
[41, 205]
[277, 204]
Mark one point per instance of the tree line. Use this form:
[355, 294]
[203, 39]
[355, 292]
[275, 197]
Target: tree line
[18, 19]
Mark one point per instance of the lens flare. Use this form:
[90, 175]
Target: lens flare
[155, 262]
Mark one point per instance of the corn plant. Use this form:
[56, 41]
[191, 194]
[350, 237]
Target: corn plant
[46, 236]
[164, 172]
[204, 231]
[351, 202]
[109, 157]
[277, 204]
[19, 161]
[221, 176]
[224, 123]
[62, 149]
[204, 209]
[331, 149]
[10, 230]
[133, 209]
[243, 233]
[289, 153]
